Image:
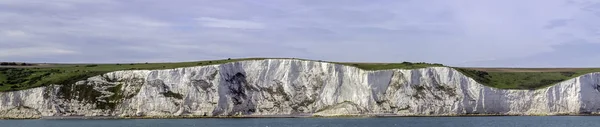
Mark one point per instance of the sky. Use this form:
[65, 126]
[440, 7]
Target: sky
[470, 33]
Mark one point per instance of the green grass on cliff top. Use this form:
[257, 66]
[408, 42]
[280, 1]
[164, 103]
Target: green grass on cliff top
[523, 78]
[26, 77]
[386, 66]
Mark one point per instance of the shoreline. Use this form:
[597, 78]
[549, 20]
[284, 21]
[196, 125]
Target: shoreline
[270, 116]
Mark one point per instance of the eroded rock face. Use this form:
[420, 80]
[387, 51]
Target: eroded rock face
[293, 87]
[20, 113]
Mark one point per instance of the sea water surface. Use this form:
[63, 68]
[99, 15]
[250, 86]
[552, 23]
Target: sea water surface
[509, 121]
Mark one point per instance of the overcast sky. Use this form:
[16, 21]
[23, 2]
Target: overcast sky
[498, 33]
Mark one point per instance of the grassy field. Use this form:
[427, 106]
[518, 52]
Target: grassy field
[385, 66]
[523, 78]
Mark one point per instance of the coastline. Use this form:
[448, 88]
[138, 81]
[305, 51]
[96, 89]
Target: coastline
[272, 116]
[440, 92]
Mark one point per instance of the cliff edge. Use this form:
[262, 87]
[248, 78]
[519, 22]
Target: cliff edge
[288, 87]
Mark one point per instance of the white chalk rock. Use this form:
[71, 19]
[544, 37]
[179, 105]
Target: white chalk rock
[289, 87]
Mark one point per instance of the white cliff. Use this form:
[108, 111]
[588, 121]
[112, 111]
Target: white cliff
[295, 87]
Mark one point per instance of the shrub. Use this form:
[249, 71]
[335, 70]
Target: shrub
[568, 74]
[93, 65]
[8, 63]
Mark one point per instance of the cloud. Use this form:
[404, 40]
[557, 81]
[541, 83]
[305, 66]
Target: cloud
[33, 51]
[575, 54]
[227, 23]
[454, 32]
[556, 23]
[14, 33]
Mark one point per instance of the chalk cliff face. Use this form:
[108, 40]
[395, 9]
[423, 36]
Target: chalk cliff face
[294, 87]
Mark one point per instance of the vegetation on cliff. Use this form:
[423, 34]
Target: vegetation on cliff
[386, 66]
[523, 78]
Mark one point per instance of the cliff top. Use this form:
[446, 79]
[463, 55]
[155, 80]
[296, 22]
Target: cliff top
[24, 76]
[523, 78]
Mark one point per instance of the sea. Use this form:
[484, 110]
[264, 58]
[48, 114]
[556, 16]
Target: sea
[495, 121]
